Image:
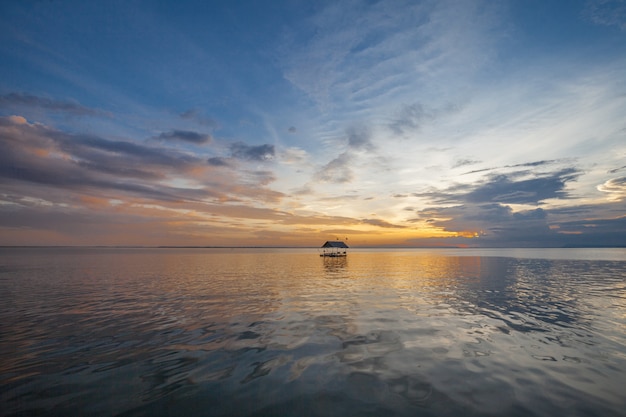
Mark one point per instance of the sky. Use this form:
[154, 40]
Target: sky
[464, 123]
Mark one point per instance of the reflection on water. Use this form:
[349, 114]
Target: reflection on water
[141, 332]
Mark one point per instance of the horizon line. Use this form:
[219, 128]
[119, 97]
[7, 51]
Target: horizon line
[313, 247]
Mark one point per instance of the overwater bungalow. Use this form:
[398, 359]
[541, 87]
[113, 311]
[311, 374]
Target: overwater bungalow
[334, 248]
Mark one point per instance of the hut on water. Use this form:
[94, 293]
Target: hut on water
[334, 248]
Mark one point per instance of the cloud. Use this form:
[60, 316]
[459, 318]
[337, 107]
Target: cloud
[411, 117]
[593, 232]
[360, 54]
[532, 164]
[481, 214]
[615, 188]
[336, 171]
[490, 222]
[97, 221]
[464, 162]
[246, 152]
[14, 100]
[360, 139]
[614, 170]
[39, 155]
[382, 223]
[482, 211]
[508, 188]
[34, 155]
[496, 225]
[98, 151]
[339, 169]
[185, 136]
[13, 120]
[504, 189]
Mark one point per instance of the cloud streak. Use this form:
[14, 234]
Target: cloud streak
[18, 100]
[185, 136]
[36, 154]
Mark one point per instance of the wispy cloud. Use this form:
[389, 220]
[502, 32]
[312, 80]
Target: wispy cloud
[614, 170]
[336, 171]
[522, 165]
[464, 162]
[382, 223]
[17, 101]
[361, 52]
[412, 117]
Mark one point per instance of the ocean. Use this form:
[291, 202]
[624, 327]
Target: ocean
[284, 332]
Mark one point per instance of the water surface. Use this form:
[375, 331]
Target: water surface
[216, 332]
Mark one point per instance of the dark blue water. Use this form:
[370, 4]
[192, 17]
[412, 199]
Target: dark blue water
[150, 332]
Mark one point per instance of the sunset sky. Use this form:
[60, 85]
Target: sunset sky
[287, 123]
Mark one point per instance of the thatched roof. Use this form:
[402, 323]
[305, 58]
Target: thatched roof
[334, 244]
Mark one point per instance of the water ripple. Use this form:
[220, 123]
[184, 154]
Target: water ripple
[150, 332]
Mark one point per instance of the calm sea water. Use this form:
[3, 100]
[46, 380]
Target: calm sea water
[217, 332]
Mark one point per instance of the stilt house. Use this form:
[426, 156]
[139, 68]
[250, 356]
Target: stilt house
[334, 248]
